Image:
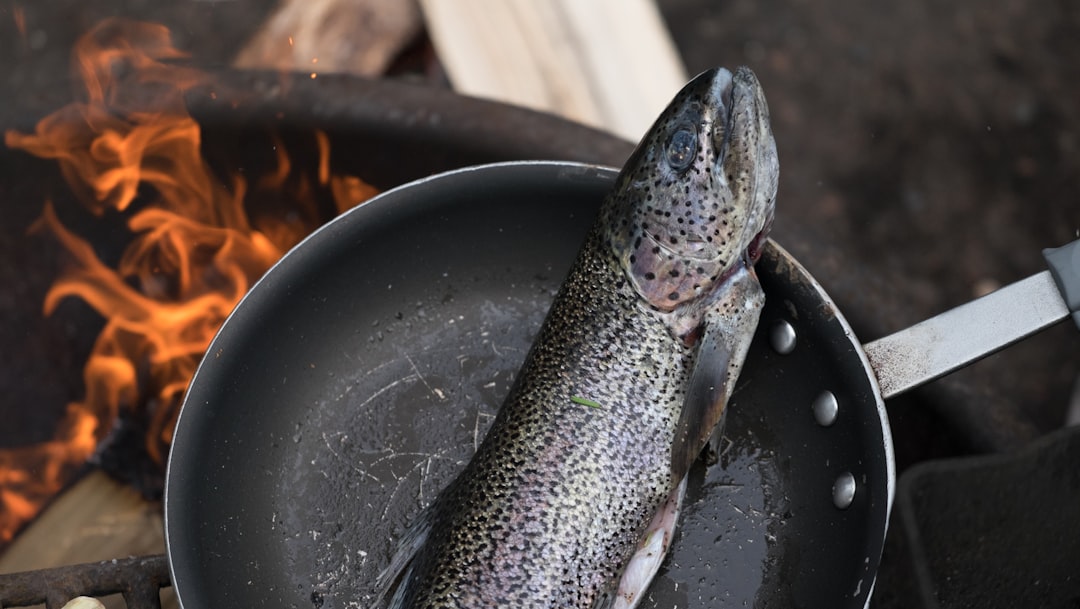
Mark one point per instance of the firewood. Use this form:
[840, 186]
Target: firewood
[352, 36]
[83, 602]
[95, 519]
[606, 63]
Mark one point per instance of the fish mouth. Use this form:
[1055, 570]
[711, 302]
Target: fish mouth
[733, 94]
[741, 101]
[722, 94]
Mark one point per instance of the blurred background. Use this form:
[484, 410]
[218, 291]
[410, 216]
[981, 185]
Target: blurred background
[929, 151]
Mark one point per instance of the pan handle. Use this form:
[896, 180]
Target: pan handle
[960, 336]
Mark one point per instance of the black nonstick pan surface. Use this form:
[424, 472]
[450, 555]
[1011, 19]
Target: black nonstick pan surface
[356, 378]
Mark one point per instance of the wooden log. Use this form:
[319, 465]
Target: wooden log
[606, 63]
[353, 36]
[96, 519]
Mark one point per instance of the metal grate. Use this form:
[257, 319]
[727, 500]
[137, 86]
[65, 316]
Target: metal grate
[139, 580]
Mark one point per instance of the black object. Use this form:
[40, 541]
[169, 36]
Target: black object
[990, 531]
[139, 580]
[1064, 263]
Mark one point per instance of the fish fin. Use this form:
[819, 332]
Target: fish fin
[715, 445]
[400, 568]
[728, 329]
[398, 600]
[645, 563]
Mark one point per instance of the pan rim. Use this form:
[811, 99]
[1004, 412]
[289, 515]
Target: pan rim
[849, 333]
[871, 377]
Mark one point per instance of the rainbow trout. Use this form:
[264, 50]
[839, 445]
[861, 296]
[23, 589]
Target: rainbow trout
[572, 497]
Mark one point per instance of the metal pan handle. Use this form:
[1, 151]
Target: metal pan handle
[953, 339]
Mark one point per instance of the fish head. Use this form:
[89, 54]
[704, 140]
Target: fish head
[695, 201]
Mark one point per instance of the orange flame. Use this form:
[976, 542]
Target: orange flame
[195, 250]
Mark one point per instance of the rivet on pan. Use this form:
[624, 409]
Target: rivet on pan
[843, 490]
[782, 337]
[826, 408]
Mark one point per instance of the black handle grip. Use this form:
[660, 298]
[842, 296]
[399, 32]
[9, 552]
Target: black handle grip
[1064, 265]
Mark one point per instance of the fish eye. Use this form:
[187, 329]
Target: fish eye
[681, 148]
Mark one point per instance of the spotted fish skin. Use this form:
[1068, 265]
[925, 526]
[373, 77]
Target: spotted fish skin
[626, 379]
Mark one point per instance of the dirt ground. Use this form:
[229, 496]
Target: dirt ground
[928, 150]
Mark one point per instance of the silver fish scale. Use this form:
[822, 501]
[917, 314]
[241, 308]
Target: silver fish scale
[627, 378]
[589, 478]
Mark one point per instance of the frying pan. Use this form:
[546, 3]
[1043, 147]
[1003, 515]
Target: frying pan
[357, 376]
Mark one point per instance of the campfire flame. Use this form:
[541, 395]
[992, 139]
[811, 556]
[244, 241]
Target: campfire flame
[131, 148]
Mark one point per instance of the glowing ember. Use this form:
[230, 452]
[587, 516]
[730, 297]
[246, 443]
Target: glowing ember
[131, 147]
